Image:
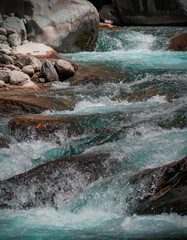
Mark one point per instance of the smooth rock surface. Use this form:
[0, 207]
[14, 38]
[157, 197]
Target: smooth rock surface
[3, 39]
[65, 69]
[2, 84]
[49, 72]
[28, 69]
[4, 58]
[17, 77]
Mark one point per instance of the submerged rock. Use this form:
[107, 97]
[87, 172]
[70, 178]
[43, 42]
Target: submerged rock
[178, 43]
[55, 183]
[164, 189]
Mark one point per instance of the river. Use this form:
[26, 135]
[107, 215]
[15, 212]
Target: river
[144, 103]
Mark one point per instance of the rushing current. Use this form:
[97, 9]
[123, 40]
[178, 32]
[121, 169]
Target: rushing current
[145, 102]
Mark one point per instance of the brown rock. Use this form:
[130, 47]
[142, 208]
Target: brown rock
[178, 43]
[65, 69]
[4, 75]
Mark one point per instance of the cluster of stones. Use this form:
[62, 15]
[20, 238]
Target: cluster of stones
[24, 73]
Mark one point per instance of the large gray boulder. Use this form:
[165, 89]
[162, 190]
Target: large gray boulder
[66, 25]
[16, 24]
[151, 12]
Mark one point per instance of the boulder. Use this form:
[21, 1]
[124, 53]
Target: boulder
[150, 12]
[34, 62]
[49, 72]
[14, 40]
[178, 43]
[54, 183]
[3, 31]
[65, 69]
[163, 190]
[3, 39]
[4, 75]
[17, 24]
[28, 69]
[67, 26]
[109, 14]
[2, 84]
[4, 58]
[17, 77]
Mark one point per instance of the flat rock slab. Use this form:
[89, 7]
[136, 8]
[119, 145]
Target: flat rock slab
[34, 49]
[19, 101]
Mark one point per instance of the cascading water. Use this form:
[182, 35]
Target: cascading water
[138, 119]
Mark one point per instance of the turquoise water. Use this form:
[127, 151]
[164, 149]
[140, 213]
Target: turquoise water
[139, 133]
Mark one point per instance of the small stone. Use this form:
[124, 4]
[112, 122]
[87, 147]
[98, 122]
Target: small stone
[64, 69]
[34, 78]
[5, 49]
[4, 75]
[25, 42]
[4, 58]
[3, 31]
[49, 72]
[2, 84]
[19, 64]
[13, 67]
[14, 40]
[34, 62]
[17, 77]
[28, 69]
[30, 85]
[41, 80]
[3, 39]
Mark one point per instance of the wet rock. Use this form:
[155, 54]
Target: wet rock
[67, 26]
[17, 25]
[14, 40]
[109, 14]
[28, 69]
[164, 189]
[2, 84]
[65, 69]
[150, 12]
[3, 31]
[16, 101]
[55, 183]
[34, 78]
[3, 39]
[34, 62]
[178, 43]
[4, 58]
[17, 77]
[183, 5]
[49, 72]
